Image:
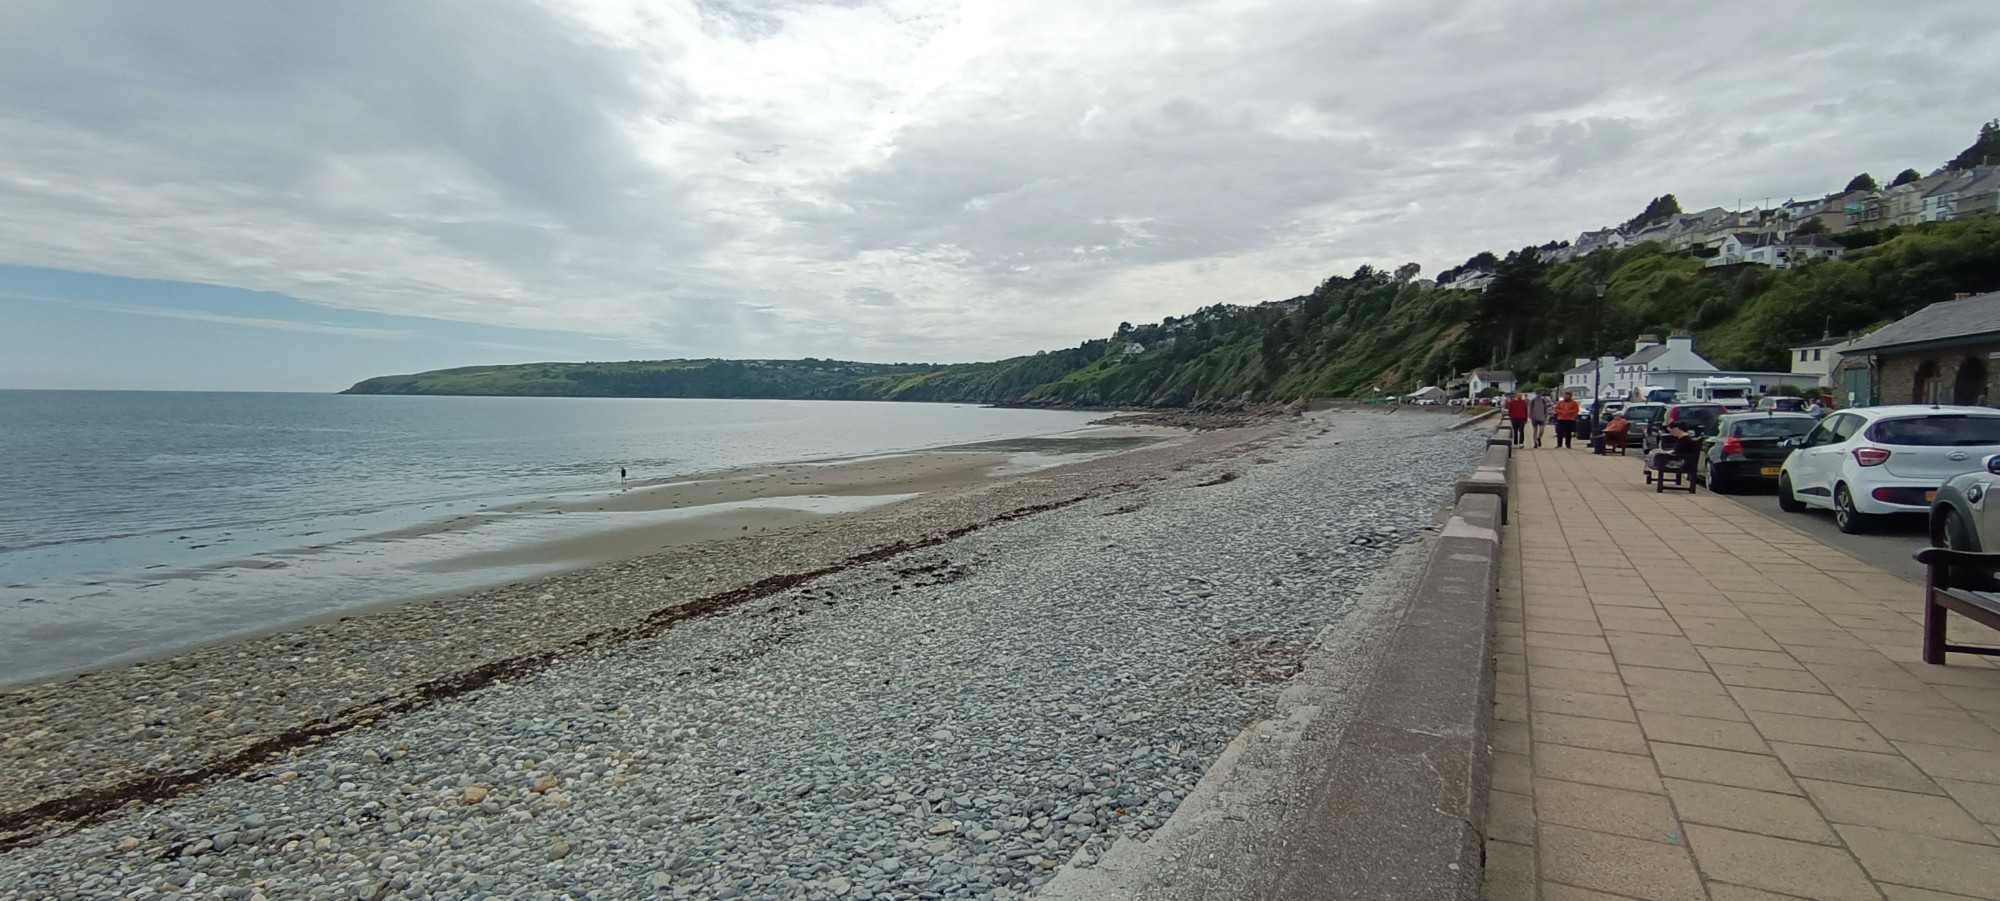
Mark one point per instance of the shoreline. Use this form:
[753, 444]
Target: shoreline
[525, 537]
[89, 739]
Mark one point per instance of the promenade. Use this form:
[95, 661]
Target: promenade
[1693, 702]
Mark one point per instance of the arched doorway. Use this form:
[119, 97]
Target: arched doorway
[1970, 386]
[1924, 388]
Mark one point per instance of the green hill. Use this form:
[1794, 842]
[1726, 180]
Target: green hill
[1357, 335]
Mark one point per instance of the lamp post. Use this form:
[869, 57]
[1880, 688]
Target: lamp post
[1597, 365]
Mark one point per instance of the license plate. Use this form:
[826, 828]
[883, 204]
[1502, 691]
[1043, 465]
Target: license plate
[1769, 470]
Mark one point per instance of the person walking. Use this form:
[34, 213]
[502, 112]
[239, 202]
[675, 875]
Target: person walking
[621, 475]
[1517, 416]
[1566, 412]
[1538, 414]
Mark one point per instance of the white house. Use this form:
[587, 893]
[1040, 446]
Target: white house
[1653, 364]
[1490, 378]
[1814, 362]
[1134, 349]
[1584, 377]
[1474, 280]
[1770, 250]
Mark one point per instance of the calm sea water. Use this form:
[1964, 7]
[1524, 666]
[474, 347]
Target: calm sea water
[137, 522]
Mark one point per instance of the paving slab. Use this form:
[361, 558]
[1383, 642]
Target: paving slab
[1699, 701]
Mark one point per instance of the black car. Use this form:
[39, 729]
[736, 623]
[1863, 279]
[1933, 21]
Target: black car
[1698, 419]
[1641, 418]
[1747, 449]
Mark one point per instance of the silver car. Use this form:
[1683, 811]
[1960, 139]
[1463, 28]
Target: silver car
[1966, 516]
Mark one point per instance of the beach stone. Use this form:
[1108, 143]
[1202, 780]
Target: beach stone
[475, 794]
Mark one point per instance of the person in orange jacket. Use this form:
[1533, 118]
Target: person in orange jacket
[1566, 410]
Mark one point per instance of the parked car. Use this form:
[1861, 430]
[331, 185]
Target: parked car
[1966, 517]
[1699, 419]
[1641, 418]
[1781, 404]
[1875, 461]
[1748, 449]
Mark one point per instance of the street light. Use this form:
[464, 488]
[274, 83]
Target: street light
[1597, 365]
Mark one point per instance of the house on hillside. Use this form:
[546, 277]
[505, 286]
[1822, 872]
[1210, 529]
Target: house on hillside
[1943, 201]
[1905, 202]
[1132, 350]
[1979, 198]
[1498, 379]
[1766, 249]
[1473, 280]
[1588, 243]
[1943, 354]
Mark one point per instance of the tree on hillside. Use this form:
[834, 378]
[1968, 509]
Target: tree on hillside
[1406, 272]
[1862, 182]
[1812, 227]
[1519, 294]
[1658, 210]
[1984, 150]
[1905, 177]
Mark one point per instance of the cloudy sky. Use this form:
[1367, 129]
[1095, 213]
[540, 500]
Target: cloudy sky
[241, 194]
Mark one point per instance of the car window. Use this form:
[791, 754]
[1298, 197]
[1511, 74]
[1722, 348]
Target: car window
[1641, 414]
[1945, 430]
[1844, 426]
[1771, 427]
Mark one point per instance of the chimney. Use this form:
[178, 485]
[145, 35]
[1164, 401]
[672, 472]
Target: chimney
[1582, 361]
[1682, 340]
[1644, 342]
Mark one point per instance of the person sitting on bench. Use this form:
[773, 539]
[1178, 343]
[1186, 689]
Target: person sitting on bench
[1614, 434]
[1679, 449]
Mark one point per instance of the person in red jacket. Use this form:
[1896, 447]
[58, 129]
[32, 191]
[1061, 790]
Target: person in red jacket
[1517, 416]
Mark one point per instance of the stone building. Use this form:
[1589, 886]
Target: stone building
[1945, 353]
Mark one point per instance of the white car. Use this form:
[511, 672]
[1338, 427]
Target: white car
[1872, 461]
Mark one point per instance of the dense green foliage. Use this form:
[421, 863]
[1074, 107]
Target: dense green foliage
[1371, 332]
[1905, 177]
[1660, 209]
[1985, 149]
[1862, 182]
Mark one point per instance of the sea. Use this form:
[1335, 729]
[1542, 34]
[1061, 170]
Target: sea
[134, 523]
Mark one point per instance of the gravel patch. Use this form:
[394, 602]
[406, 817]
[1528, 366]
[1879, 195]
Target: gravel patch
[957, 721]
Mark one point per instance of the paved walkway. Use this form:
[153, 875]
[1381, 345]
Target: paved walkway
[1694, 703]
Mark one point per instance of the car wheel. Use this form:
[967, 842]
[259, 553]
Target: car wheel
[1954, 534]
[1719, 483]
[1787, 501]
[1845, 517]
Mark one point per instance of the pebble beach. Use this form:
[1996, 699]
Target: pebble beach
[953, 696]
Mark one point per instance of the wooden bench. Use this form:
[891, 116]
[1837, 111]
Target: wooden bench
[1947, 587]
[1661, 465]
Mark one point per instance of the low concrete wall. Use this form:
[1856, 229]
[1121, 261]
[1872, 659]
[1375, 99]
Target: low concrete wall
[1403, 812]
[1370, 781]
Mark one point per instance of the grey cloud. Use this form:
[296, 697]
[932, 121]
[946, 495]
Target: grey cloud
[784, 176]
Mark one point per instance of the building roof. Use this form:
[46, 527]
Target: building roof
[1814, 241]
[1645, 356]
[1959, 321]
[1822, 342]
[1494, 375]
[1580, 370]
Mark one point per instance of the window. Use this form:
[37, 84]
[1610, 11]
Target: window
[1816, 356]
[1802, 356]
[1772, 427]
[1938, 431]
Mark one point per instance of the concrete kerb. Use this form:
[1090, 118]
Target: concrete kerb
[1371, 782]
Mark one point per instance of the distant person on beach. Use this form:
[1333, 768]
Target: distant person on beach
[1566, 411]
[1538, 413]
[621, 475]
[1517, 416]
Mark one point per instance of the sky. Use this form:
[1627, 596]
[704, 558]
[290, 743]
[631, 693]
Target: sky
[244, 195]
